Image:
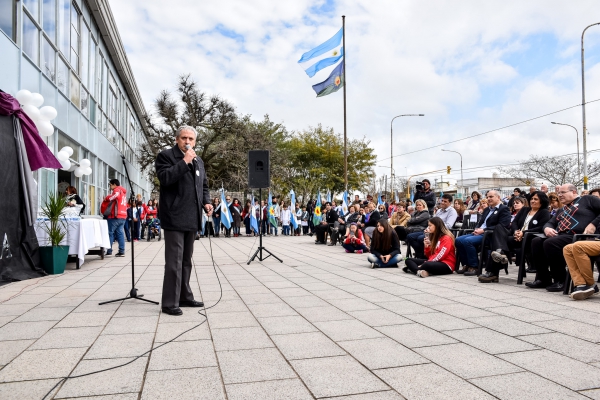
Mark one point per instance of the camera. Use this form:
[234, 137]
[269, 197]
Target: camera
[419, 186]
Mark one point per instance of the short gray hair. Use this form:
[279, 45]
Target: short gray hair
[185, 128]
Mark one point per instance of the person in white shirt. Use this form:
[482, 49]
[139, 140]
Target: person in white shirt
[285, 217]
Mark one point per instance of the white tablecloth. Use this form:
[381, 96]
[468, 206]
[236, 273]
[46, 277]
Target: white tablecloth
[82, 235]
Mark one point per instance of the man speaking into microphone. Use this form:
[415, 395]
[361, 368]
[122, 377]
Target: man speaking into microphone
[183, 194]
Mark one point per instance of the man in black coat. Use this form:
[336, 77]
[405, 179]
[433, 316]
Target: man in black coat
[330, 218]
[183, 194]
[466, 245]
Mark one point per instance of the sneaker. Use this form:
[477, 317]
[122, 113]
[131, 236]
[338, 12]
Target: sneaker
[488, 277]
[583, 292]
[372, 265]
[471, 272]
[108, 253]
[359, 251]
[120, 255]
[422, 273]
[499, 257]
[347, 251]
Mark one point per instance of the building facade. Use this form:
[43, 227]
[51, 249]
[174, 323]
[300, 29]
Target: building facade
[70, 52]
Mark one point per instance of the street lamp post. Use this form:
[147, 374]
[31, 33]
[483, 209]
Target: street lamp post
[585, 171]
[461, 170]
[392, 148]
[577, 133]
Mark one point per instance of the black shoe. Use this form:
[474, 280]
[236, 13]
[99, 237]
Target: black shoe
[556, 287]
[120, 255]
[407, 270]
[531, 270]
[583, 292]
[172, 310]
[108, 253]
[310, 234]
[488, 277]
[461, 270]
[331, 244]
[471, 272]
[537, 284]
[191, 303]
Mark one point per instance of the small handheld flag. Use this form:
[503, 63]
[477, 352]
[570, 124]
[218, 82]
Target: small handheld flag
[293, 209]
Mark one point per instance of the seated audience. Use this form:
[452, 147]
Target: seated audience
[417, 223]
[482, 206]
[382, 211]
[529, 219]
[439, 250]
[352, 216]
[371, 219]
[392, 208]
[385, 246]
[516, 193]
[448, 215]
[473, 203]
[400, 217]
[554, 203]
[517, 205]
[460, 208]
[466, 245]
[410, 209]
[330, 218]
[595, 192]
[578, 260]
[354, 242]
[579, 214]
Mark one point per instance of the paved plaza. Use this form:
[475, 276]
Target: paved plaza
[320, 325]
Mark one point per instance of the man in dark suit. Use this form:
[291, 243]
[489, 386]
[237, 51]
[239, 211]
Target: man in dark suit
[183, 194]
[330, 218]
[466, 245]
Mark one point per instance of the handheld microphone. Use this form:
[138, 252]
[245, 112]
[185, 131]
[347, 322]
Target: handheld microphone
[187, 147]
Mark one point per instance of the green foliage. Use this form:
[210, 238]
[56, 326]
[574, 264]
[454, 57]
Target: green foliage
[53, 210]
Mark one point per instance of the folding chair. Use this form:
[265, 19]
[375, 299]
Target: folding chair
[525, 243]
[568, 281]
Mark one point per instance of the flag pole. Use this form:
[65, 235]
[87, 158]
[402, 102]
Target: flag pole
[345, 134]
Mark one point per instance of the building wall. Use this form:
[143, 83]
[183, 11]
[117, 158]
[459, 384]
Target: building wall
[56, 48]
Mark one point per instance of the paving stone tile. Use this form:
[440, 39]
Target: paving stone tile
[289, 389]
[232, 320]
[291, 292]
[405, 307]
[126, 379]
[119, 326]
[573, 374]
[381, 353]
[92, 306]
[178, 355]
[271, 310]
[168, 331]
[573, 328]
[286, 325]
[387, 395]
[195, 383]
[306, 345]
[261, 298]
[336, 376]
[348, 305]
[333, 294]
[137, 310]
[440, 321]
[587, 317]
[378, 297]
[25, 330]
[253, 365]
[566, 345]
[479, 301]
[240, 338]
[490, 341]
[426, 299]
[508, 326]
[379, 317]
[535, 304]
[12, 348]
[523, 314]
[62, 338]
[320, 314]
[400, 290]
[524, 386]
[228, 306]
[429, 381]
[44, 314]
[113, 346]
[592, 394]
[305, 301]
[53, 363]
[28, 299]
[347, 330]
[27, 389]
[85, 319]
[495, 294]
[462, 311]
[415, 335]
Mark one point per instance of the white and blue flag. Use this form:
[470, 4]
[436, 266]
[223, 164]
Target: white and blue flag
[323, 56]
[293, 209]
[345, 203]
[226, 217]
[379, 202]
[253, 220]
[329, 196]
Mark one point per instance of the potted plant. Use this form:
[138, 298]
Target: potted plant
[54, 256]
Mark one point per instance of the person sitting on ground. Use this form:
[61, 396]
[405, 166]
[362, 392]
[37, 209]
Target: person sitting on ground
[382, 211]
[595, 192]
[446, 212]
[579, 214]
[473, 203]
[578, 260]
[460, 208]
[555, 204]
[354, 242]
[400, 217]
[531, 218]
[417, 223]
[330, 218]
[466, 245]
[517, 205]
[439, 250]
[385, 246]
[371, 220]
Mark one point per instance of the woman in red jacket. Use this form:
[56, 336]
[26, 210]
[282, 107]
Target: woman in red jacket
[439, 250]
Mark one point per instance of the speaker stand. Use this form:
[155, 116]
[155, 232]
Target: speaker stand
[259, 251]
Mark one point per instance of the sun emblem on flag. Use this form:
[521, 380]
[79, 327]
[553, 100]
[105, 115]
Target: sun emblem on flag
[318, 211]
[335, 53]
[337, 81]
[271, 211]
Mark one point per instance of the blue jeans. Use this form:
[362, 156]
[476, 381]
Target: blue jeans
[115, 230]
[466, 247]
[285, 230]
[128, 230]
[352, 248]
[415, 240]
[394, 260]
[216, 225]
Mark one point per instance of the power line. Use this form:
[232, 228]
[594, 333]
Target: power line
[485, 133]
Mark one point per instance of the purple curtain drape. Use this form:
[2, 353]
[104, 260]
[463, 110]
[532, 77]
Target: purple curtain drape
[37, 151]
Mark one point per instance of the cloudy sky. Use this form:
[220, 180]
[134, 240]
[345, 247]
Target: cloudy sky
[469, 66]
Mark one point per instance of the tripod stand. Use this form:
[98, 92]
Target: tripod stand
[133, 294]
[260, 249]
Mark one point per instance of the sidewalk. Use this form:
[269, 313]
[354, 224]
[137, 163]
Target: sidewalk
[320, 325]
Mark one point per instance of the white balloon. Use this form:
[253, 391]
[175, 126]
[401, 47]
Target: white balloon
[48, 113]
[68, 150]
[32, 111]
[36, 99]
[62, 156]
[78, 172]
[87, 171]
[45, 128]
[66, 164]
[24, 97]
[84, 163]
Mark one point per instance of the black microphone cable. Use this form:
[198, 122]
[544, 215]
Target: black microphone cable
[201, 312]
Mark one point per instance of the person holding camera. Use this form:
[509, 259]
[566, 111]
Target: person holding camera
[354, 241]
[425, 193]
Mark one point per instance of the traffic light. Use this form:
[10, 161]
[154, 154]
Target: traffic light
[448, 169]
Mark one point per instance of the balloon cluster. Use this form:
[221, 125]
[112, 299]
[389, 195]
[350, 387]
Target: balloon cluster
[85, 165]
[30, 102]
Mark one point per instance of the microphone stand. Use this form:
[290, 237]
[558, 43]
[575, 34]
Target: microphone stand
[133, 294]
[260, 249]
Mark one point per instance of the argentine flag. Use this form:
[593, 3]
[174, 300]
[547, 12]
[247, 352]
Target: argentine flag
[226, 217]
[379, 202]
[271, 211]
[293, 209]
[323, 56]
[253, 220]
[345, 203]
[329, 196]
[317, 213]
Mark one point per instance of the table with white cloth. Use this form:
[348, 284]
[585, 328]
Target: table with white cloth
[82, 235]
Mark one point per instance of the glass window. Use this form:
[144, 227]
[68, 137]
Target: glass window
[91, 205]
[33, 6]
[64, 26]
[92, 62]
[85, 54]
[75, 38]
[93, 111]
[65, 141]
[49, 67]
[112, 106]
[31, 39]
[104, 83]
[84, 101]
[49, 19]
[75, 87]
[62, 76]
[8, 17]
